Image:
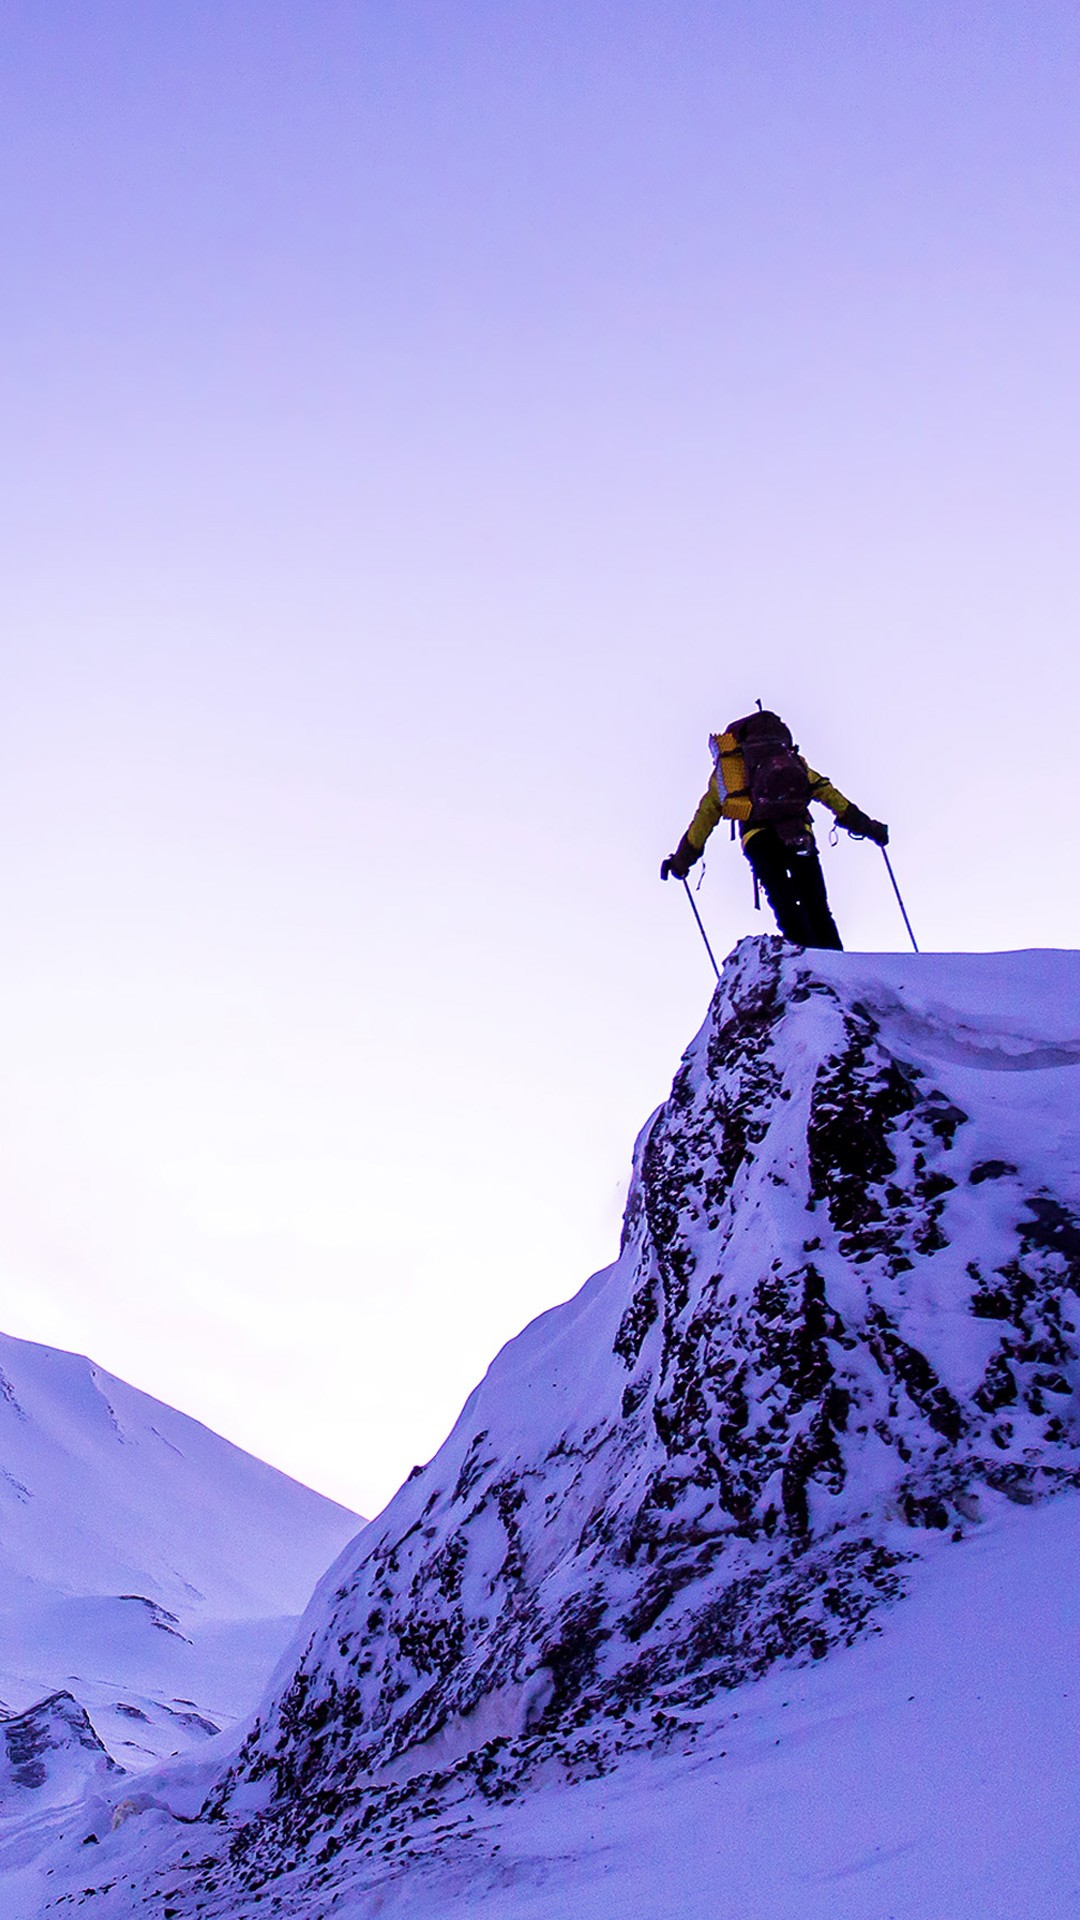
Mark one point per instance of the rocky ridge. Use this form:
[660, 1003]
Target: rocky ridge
[844, 1323]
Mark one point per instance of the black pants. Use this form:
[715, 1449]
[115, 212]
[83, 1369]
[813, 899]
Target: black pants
[795, 889]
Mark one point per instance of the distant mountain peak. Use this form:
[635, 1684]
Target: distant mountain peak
[143, 1554]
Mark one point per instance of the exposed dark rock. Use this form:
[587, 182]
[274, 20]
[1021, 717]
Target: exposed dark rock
[776, 1422]
[54, 1725]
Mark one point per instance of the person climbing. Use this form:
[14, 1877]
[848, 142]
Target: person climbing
[761, 780]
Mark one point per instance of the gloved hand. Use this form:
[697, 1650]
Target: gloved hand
[680, 862]
[855, 821]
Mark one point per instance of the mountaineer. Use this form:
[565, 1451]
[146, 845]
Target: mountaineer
[761, 780]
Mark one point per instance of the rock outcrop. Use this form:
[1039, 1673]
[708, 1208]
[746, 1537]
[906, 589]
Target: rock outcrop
[843, 1324]
[49, 1755]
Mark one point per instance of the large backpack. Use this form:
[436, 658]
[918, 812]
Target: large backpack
[761, 775]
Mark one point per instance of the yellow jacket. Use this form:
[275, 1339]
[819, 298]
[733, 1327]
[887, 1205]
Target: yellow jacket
[732, 804]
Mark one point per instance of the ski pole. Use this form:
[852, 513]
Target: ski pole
[701, 929]
[899, 897]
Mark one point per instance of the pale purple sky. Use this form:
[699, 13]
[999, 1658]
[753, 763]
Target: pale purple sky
[422, 424]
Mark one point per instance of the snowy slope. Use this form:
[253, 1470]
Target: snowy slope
[146, 1565]
[835, 1363]
[927, 1773]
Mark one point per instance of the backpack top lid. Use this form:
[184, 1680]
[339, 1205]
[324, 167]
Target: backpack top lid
[761, 730]
[762, 725]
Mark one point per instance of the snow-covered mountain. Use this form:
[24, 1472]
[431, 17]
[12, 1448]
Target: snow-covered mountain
[149, 1571]
[840, 1349]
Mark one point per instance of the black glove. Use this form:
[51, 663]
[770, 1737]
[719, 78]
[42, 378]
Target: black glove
[680, 862]
[856, 822]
